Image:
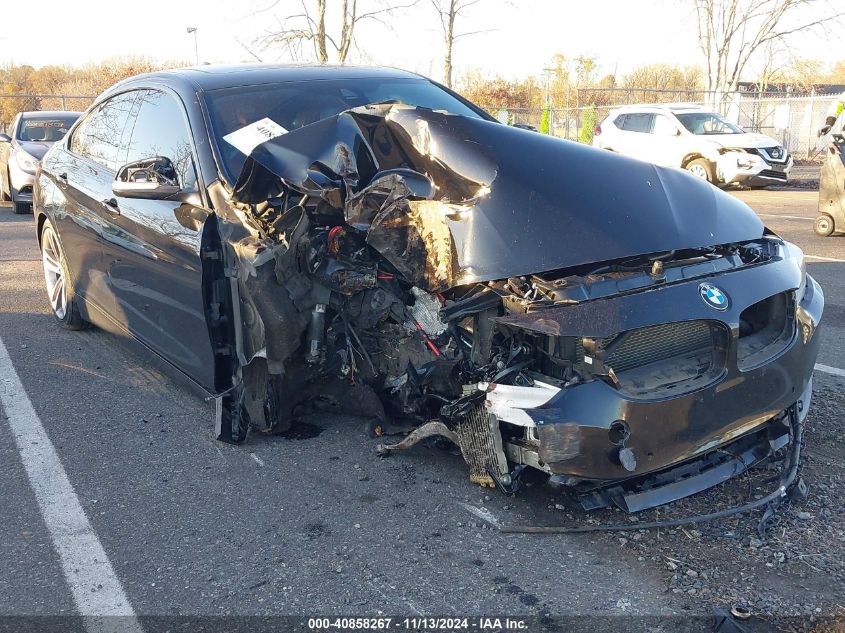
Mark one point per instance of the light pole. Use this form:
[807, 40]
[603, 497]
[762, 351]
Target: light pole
[193, 29]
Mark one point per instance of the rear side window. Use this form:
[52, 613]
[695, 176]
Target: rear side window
[99, 135]
[638, 122]
[160, 129]
[619, 121]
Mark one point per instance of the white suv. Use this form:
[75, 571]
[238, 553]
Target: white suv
[704, 143]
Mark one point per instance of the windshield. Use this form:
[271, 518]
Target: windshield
[707, 123]
[298, 103]
[49, 130]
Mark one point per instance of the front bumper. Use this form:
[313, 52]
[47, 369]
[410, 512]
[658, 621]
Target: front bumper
[573, 426]
[700, 473]
[21, 182]
[750, 169]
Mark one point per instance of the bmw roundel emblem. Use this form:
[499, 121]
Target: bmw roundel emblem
[714, 297]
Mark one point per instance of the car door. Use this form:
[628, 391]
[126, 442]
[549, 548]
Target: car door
[80, 175]
[664, 143]
[638, 138]
[154, 269]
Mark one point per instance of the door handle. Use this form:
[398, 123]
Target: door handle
[110, 205]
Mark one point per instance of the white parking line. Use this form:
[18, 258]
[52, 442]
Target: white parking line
[96, 590]
[786, 217]
[830, 370]
[824, 259]
[794, 194]
[257, 459]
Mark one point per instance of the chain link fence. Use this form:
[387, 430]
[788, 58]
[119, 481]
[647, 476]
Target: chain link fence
[793, 120]
[11, 104]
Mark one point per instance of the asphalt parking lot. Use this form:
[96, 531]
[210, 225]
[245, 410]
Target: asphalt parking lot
[315, 524]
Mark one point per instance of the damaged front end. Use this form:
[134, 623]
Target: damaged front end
[486, 284]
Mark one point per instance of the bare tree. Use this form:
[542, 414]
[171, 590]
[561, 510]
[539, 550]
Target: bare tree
[782, 71]
[448, 12]
[775, 63]
[668, 77]
[585, 69]
[836, 73]
[730, 32]
[309, 25]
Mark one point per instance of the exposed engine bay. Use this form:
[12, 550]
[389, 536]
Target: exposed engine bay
[371, 278]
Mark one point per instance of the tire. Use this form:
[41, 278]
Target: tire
[60, 292]
[701, 168]
[824, 225]
[19, 208]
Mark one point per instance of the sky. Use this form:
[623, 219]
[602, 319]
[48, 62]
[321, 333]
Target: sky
[518, 37]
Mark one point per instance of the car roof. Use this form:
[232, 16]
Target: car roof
[205, 78]
[49, 114]
[662, 107]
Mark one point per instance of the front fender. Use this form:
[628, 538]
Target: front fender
[710, 150]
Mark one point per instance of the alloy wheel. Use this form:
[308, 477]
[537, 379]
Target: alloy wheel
[52, 259]
[699, 171]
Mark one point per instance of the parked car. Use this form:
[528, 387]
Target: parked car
[704, 143]
[831, 218]
[32, 135]
[368, 237]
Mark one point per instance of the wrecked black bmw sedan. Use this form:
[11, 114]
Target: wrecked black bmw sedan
[368, 237]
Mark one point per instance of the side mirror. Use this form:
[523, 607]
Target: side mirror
[5, 138]
[151, 178]
[677, 132]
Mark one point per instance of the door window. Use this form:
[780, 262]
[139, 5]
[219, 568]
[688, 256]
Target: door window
[638, 122]
[160, 130]
[99, 135]
[663, 126]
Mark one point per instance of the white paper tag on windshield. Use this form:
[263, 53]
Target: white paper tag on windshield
[251, 136]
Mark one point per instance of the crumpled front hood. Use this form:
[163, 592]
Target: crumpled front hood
[450, 200]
